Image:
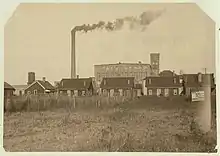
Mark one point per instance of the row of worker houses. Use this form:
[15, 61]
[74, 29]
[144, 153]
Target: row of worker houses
[166, 84]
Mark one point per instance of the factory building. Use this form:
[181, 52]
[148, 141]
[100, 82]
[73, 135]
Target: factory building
[137, 70]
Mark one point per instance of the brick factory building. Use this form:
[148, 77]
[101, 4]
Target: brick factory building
[137, 70]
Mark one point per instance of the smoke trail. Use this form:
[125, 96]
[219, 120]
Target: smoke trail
[142, 21]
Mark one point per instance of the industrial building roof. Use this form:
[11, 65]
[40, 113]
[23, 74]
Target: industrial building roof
[120, 63]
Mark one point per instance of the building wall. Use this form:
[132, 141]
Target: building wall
[37, 87]
[19, 91]
[170, 91]
[8, 92]
[139, 71]
[117, 92]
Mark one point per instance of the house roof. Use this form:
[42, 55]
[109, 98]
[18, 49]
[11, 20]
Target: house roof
[117, 82]
[163, 82]
[8, 86]
[78, 84]
[44, 84]
[191, 80]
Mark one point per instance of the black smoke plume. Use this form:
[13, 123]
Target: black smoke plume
[142, 21]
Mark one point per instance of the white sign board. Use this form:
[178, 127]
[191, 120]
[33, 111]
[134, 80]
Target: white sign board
[198, 96]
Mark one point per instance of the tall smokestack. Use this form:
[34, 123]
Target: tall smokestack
[73, 54]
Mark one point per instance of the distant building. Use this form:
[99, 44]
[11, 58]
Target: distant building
[167, 73]
[40, 87]
[113, 86]
[136, 70]
[8, 90]
[20, 89]
[77, 87]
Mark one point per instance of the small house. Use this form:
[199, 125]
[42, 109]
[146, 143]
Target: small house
[40, 87]
[77, 86]
[114, 86]
[8, 90]
[163, 86]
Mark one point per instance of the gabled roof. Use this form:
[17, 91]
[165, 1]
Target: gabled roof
[8, 86]
[44, 84]
[163, 82]
[117, 82]
[78, 84]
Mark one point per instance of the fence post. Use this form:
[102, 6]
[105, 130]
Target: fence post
[74, 102]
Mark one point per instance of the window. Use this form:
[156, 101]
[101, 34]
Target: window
[84, 83]
[83, 93]
[128, 81]
[150, 92]
[166, 92]
[200, 78]
[158, 92]
[35, 92]
[29, 92]
[174, 80]
[149, 81]
[181, 80]
[175, 92]
[75, 92]
[180, 90]
[20, 92]
[104, 82]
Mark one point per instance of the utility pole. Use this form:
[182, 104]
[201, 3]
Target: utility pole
[205, 70]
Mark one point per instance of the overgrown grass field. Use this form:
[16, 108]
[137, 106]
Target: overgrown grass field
[142, 125]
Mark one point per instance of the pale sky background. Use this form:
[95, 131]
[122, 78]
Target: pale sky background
[37, 39]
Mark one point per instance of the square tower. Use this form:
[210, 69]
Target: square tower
[155, 63]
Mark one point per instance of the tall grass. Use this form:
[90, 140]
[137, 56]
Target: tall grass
[122, 124]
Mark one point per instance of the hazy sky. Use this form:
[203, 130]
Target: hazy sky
[37, 39]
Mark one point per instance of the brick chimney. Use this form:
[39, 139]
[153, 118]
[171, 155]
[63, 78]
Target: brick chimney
[44, 79]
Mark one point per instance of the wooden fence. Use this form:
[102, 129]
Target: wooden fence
[48, 102]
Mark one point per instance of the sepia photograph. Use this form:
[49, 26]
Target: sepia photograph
[109, 77]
